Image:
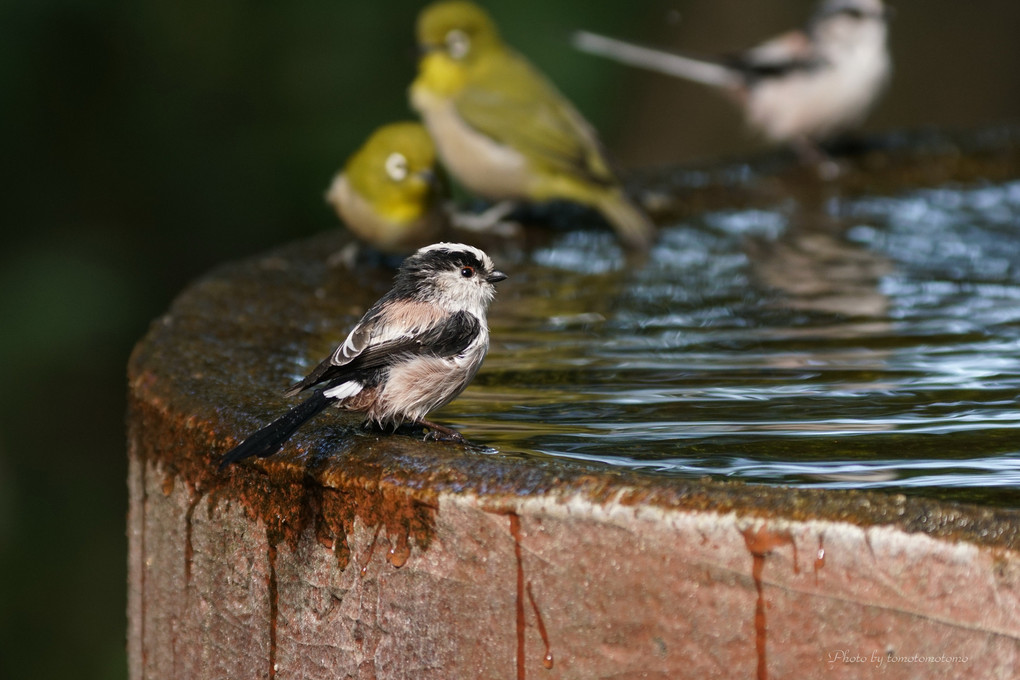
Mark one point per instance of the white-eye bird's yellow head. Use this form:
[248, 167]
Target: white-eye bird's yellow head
[462, 30]
[453, 37]
[395, 170]
[390, 191]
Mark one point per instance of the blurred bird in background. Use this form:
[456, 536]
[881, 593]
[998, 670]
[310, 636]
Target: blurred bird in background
[800, 88]
[388, 193]
[503, 130]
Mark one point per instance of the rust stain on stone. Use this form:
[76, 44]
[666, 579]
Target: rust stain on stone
[324, 535]
[288, 496]
[524, 589]
[406, 515]
[760, 543]
[274, 608]
[515, 531]
[189, 548]
[371, 550]
[400, 551]
[547, 660]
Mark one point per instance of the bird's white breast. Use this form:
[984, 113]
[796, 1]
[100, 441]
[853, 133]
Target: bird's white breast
[818, 103]
[423, 384]
[481, 164]
[352, 207]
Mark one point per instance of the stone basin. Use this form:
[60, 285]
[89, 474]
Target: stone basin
[363, 555]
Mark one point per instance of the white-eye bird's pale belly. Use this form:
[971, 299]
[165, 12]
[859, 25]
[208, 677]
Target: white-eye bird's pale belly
[354, 210]
[480, 164]
[818, 104]
[366, 223]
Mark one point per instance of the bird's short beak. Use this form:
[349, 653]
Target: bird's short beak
[429, 177]
[495, 277]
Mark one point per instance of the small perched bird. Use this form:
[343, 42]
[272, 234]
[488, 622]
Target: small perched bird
[388, 194]
[502, 129]
[800, 87]
[414, 351]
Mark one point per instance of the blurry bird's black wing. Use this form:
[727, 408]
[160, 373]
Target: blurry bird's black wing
[783, 55]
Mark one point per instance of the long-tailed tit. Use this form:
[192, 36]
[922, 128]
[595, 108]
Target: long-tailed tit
[800, 87]
[414, 351]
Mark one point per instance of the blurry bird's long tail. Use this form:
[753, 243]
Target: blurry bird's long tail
[631, 224]
[271, 438]
[657, 60]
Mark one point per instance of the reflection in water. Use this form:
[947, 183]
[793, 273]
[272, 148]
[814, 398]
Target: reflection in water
[864, 343]
[817, 269]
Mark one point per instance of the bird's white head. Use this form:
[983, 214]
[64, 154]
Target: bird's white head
[453, 275]
[850, 22]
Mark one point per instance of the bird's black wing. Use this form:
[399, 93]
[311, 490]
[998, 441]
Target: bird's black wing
[352, 347]
[785, 54]
[755, 71]
[447, 338]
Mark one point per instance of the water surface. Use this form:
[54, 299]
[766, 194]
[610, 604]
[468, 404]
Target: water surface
[871, 342]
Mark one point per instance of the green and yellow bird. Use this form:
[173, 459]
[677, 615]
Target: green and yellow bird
[502, 129]
[388, 194]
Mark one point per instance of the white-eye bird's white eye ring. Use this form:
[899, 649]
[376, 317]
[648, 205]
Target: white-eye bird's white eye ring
[457, 43]
[396, 167]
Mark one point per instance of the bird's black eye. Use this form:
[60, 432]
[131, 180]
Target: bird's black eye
[467, 272]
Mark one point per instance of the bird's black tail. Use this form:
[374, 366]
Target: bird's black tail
[270, 438]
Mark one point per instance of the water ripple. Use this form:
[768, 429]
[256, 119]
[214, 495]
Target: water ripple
[774, 345]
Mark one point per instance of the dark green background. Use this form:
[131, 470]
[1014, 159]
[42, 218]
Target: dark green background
[147, 141]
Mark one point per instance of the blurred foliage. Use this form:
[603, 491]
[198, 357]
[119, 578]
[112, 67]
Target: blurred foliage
[148, 141]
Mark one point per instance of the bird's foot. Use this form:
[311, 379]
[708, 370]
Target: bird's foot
[829, 170]
[814, 156]
[491, 221]
[346, 257]
[442, 433]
